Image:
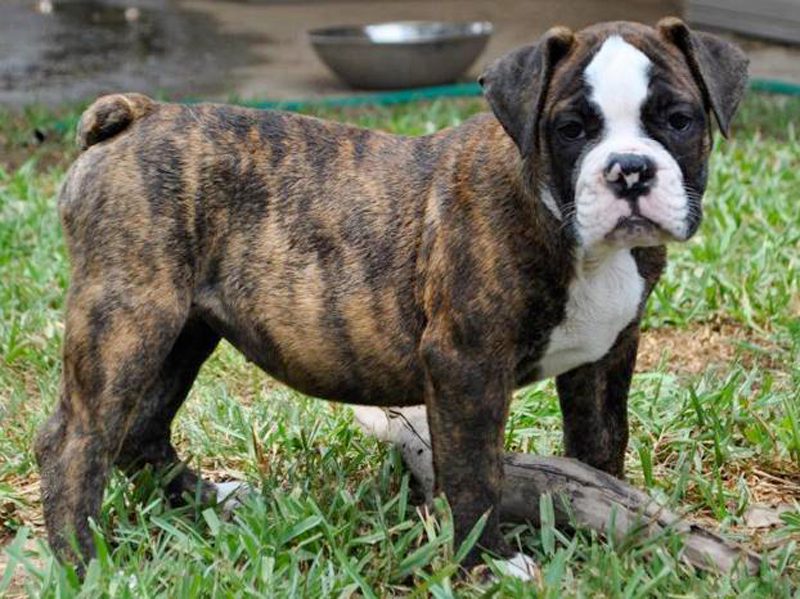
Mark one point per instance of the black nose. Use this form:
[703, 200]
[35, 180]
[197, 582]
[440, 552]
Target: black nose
[629, 175]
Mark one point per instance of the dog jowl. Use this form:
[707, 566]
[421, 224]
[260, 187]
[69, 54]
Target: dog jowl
[366, 268]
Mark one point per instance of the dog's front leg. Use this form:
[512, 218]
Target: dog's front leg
[467, 399]
[594, 400]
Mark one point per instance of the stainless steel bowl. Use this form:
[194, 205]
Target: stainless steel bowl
[400, 54]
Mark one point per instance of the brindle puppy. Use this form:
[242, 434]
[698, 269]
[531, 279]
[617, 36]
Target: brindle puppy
[368, 268]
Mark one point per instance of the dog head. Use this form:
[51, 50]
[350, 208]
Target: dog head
[614, 124]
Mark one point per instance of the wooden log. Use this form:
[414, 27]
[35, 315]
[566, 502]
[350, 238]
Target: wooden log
[582, 496]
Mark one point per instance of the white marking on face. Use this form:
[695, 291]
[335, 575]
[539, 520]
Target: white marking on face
[619, 78]
[614, 173]
[630, 179]
[603, 299]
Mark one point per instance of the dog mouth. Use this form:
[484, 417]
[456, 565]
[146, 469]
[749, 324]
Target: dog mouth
[638, 230]
[636, 223]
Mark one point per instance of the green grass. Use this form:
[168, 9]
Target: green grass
[334, 517]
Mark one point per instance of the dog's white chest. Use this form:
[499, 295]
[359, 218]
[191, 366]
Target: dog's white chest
[603, 299]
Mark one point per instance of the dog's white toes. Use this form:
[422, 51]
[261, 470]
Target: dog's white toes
[231, 495]
[519, 566]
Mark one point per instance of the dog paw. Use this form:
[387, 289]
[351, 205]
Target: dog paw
[231, 495]
[518, 566]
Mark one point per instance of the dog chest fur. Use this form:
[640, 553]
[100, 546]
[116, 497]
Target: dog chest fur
[603, 298]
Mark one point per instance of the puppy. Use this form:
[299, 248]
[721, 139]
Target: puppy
[368, 268]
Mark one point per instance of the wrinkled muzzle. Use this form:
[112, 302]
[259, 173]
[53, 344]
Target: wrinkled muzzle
[630, 192]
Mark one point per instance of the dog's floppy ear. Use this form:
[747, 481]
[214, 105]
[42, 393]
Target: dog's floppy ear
[719, 67]
[515, 85]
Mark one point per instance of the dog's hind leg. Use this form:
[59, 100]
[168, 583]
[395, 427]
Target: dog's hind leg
[117, 337]
[147, 441]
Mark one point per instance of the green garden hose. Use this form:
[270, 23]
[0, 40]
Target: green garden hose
[403, 96]
[455, 90]
[775, 86]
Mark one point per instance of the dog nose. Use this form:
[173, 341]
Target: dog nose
[629, 175]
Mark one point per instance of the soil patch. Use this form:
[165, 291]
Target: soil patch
[702, 346]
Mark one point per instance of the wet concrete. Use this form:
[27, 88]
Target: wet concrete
[55, 51]
[257, 49]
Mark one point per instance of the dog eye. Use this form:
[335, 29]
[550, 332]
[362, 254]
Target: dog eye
[572, 130]
[679, 121]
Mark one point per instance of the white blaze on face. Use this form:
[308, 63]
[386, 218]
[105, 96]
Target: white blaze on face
[619, 78]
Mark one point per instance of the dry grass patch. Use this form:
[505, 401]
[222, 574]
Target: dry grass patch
[701, 347]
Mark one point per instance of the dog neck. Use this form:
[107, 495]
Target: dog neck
[535, 202]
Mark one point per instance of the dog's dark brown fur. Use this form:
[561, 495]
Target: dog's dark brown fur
[351, 264]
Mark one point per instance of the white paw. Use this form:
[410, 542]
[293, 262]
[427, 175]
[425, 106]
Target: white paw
[519, 566]
[231, 495]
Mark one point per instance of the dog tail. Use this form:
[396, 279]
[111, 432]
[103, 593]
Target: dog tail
[110, 115]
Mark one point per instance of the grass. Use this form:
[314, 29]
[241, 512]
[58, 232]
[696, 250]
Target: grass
[334, 516]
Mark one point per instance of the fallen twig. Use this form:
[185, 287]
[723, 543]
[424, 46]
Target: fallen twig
[583, 496]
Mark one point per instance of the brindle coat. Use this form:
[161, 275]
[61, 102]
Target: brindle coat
[350, 264]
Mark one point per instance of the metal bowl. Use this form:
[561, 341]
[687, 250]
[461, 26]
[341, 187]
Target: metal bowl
[400, 54]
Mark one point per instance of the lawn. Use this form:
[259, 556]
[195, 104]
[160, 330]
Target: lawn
[714, 411]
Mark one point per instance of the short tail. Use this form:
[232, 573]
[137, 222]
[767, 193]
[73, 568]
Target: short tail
[110, 115]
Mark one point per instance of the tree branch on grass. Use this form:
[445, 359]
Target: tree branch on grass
[582, 496]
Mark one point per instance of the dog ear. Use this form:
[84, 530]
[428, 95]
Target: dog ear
[719, 67]
[515, 85]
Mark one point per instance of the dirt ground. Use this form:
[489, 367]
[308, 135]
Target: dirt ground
[52, 51]
[703, 346]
